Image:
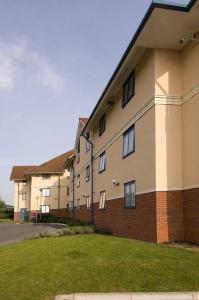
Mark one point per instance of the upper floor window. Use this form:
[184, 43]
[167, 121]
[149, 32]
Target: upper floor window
[78, 180]
[88, 173]
[128, 89]
[45, 176]
[102, 200]
[102, 162]
[88, 202]
[88, 144]
[68, 191]
[45, 192]
[129, 194]
[129, 141]
[24, 182]
[102, 124]
[23, 196]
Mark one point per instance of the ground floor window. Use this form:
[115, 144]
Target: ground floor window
[129, 194]
[45, 209]
[88, 202]
[102, 200]
[78, 204]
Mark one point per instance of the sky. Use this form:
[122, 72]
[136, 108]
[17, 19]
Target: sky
[56, 57]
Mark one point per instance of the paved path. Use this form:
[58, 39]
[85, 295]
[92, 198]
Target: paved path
[131, 296]
[10, 233]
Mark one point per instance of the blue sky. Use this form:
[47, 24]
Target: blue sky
[55, 60]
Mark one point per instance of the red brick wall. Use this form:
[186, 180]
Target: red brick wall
[191, 214]
[169, 209]
[139, 223]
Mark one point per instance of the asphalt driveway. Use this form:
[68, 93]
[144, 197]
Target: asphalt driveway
[11, 233]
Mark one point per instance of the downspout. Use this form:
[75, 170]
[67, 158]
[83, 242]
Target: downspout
[91, 170]
[18, 201]
[73, 182]
[58, 214]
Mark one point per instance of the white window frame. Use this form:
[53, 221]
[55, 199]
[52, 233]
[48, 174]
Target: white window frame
[88, 202]
[102, 201]
[102, 162]
[45, 192]
[45, 209]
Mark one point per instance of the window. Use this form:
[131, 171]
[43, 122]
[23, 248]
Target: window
[45, 176]
[102, 162]
[45, 192]
[129, 141]
[78, 204]
[88, 202]
[23, 196]
[24, 182]
[78, 153]
[129, 194]
[128, 89]
[88, 173]
[70, 206]
[45, 209]
[87, 143]
[78, 180]
[102, 200]
[102, 125]
[68, 191]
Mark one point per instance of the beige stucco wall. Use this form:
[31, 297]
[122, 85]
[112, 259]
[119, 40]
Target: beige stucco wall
[53, 183]
[20, 188]
[190, 119]
[167, 145]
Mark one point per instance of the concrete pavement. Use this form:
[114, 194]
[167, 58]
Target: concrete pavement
[11, 233]
[131, 296]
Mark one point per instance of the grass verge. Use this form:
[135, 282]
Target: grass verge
[42, 268]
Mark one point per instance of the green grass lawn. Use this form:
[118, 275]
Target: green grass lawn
[39, 269]
[6, 221]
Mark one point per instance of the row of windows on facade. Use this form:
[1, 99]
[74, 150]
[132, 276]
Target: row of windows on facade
[128, 148]
[128, 93]
[129, 198]
[45, 193]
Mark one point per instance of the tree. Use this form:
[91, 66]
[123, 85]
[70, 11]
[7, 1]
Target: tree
[2, 205]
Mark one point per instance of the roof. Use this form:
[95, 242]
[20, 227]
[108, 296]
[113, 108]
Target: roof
[83, 120]
[18, 172]
[55, 165]
[163, 5]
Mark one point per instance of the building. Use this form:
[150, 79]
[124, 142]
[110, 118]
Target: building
[135, 171]
[42, 189]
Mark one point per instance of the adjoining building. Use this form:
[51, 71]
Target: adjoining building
[42, 189]
[136, 163]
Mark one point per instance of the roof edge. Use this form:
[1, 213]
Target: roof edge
[153, 5]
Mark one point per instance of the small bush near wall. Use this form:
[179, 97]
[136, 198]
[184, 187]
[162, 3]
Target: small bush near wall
[67, 231]
[53, 219]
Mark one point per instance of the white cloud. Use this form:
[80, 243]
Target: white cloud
[19, 57]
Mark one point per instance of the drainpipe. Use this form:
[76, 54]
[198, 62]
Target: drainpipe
[91, 175]
[73, 182]
[58, 196]
[18, 200]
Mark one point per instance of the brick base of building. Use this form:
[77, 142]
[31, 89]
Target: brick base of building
[158, 217]
[62, 212]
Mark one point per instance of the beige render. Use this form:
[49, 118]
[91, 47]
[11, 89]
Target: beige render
[164, 111]
[57, 183]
